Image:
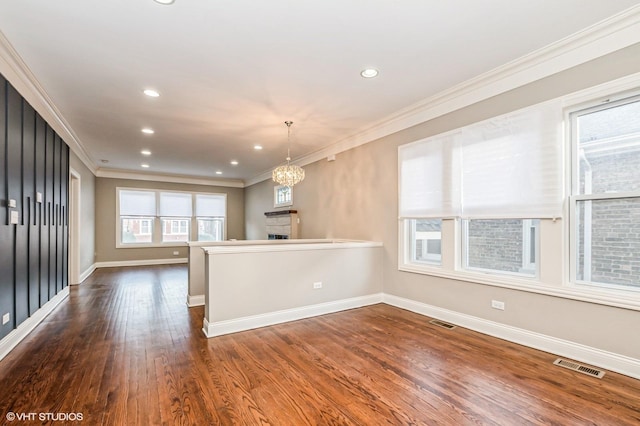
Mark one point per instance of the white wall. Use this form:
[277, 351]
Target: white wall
[87, 234]
[255, 286]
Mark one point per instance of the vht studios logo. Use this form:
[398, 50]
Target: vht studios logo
[45, 417]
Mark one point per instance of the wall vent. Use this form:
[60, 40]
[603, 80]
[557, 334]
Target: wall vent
[442, 324]
[589, 371]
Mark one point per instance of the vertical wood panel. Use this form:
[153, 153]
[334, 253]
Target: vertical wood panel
[3, 146]
[59, 221]
[40, 169]
[34, 262]
[65, 222]
[55, 220]
[16, 189]
[6, 230]
[28, 179]
[51, 249]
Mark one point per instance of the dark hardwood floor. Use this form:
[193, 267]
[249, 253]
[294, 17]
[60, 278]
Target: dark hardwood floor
[125, 350]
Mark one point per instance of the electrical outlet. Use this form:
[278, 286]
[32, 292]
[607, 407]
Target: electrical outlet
[6, 318]
[496, 304]
[176, 253]
[317, 285]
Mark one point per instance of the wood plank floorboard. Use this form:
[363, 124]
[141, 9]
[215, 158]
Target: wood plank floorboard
[124, 349]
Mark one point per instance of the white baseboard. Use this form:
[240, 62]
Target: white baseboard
[589, 355]
[220, 328]
[148, 262]
[90, 270]
[12, 339]
[197, 300]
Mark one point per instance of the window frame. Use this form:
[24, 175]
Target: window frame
[276, 196]
[575, 197]
[157, 231]
[527, 226]
[431, 260]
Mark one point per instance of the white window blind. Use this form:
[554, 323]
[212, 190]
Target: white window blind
[506, 167]
[512, 165]
[429, 171]
[137, 203]
[175, 204]
[211, 205]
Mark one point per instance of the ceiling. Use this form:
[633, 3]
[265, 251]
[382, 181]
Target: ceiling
[230, 73]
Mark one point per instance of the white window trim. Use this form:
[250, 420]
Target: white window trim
[527, 226]
[463, 242]
[276, 190]
[430, 259]
[157, 220]
[574, 197]
[568, 289]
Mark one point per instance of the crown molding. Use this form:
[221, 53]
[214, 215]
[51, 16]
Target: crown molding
[16, 71]
[607, 36]
[126, 174]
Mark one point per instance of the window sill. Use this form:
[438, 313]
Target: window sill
[627, 299]
[152, 245]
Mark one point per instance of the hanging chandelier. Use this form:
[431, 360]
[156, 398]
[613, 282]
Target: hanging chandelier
[289, 174]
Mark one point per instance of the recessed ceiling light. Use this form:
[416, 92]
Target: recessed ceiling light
[218, 172]
[151, 93]
[144, 165]
[164, 1]
[148, 131]
[234, 163]
[145, 152]
[257, 147]
[369, 72]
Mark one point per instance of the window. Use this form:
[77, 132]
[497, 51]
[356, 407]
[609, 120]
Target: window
[152, 217]
[282, 196]
[496, 178]
[507, 246]
[211, 213]
[146, 226]
[426, 241]
[175, 211]
[137, 210]
[605, 198]
[175, 230]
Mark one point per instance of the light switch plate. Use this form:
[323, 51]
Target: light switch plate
[38, 197]
[15, 217]
[12, 204]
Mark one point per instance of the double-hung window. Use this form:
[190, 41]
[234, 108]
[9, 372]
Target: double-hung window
[153, 217]
[495, 180]
[210, 212]
[605, 201]
[137, 211]
[175, 213]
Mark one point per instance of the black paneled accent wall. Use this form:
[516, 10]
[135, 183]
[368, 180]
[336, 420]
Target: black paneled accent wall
[34, 232]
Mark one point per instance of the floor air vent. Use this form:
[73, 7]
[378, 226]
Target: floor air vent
[589, 371]
[442, 324]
